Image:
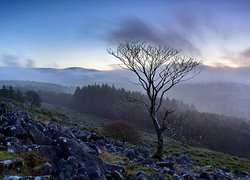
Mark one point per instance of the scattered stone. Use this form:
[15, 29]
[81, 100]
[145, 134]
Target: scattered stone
[141, 176]
[27, 178]
[72, 154]
[11, 163]
[204, 176]
[165, 164]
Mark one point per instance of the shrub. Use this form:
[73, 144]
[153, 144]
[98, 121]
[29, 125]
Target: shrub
[33, 98]
[123, 131]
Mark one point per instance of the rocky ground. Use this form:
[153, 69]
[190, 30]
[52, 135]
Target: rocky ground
[72, 153]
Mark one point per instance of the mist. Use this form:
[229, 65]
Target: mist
[222, 90]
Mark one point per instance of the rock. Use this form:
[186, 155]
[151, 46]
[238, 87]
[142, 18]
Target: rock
[12, 163]
[141, 176]
[68, 168]
[176, 177]
[52, 152]
[207, 168]
[160, 177]
[13, 147]
[130, 153]
[170, 158]
[183, 159]
[147, 162]
[115, 175]
[27, 178]
[225, 169]
[116, 168]
[95, 173]
[73, 154]
[188, 177]
[165, 164]
[38, 137]
[96, 148]
[88, 149]
[240, 173]
[247, 178]
[46, 169]
[165, 170]
[204, 176]
[144, 151]
[11, 125]
[54, 126]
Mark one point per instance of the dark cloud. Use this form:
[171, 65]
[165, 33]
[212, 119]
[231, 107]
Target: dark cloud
[246, 53]
[138, 29]
[133, 29]
[189, 23]
[10, 60]
[243, 57]
[30, 63]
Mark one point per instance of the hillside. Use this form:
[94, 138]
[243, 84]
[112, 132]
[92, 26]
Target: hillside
[216, 132]
[128, 161]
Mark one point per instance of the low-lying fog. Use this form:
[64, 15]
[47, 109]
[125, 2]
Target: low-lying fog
[220, 90]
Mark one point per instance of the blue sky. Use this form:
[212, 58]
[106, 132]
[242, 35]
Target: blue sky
[64, 33]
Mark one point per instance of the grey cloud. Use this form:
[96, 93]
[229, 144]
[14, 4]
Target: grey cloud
[246, 53]
[133, 29]
[244, 57]
[10, 60]
[139, 29]
[241, 58]
[30, 63]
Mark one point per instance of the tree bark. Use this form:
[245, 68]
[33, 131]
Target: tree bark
[159, 153]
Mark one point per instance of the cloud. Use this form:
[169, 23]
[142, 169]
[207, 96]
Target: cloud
[135, 28]
[244, 57]
[10, 60]
[30, 63]
[246, 53]
[240, 58]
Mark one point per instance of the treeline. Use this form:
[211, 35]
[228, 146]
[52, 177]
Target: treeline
[217, 132]
[226, 134]
[117, 103]
[11, 93]
[37, 86]
[29, 97]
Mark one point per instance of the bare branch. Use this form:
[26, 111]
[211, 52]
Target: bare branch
[158, 69]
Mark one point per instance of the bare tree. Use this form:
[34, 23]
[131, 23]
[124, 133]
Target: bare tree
[158, 69]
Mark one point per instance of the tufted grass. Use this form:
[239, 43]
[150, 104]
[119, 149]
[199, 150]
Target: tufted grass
[201, 156]
[32, 160]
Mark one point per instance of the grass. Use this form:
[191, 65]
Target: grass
[130, 169]
[32, 160]
[201, 156]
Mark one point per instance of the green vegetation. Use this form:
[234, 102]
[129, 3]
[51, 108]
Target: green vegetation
[67, 117]
[200, 155]
[123, 131]
[130, 169]
[31, 161]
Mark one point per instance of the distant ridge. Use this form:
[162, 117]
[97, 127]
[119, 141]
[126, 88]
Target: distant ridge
[81, 69]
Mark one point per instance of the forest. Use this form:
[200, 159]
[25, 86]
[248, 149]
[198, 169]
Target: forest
[186, 124]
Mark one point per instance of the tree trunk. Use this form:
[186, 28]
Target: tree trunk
[159, 153]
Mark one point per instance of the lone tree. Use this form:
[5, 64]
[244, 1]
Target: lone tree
[158, 69]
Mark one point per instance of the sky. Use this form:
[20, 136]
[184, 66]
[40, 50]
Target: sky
[76, 33]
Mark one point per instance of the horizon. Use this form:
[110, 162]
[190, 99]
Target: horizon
[41, 34]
